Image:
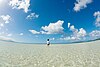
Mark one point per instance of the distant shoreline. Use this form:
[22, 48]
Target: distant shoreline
[52, 43]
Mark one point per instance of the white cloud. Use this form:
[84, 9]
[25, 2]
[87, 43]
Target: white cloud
[73, 29]
[34, 32]
[81, 33]
[97, 15]
[20, 4]
[52, 38]
[32, 16]
[68, 25]
[68, 38]
[43, 32]
[54, 28]
[81, 4]
[1, 24]
[21, 34]
[76, 34]
[6, 18]
[9, 35]
[95, 33]
[6, 38]
[5, 34]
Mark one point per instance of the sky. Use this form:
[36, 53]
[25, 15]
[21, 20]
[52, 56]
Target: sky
[61, 21]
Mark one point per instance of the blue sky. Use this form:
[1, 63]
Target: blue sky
[61, 21]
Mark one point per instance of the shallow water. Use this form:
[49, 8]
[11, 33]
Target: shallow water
[69, 55]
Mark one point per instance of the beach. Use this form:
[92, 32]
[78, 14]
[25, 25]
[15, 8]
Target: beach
[85, 54]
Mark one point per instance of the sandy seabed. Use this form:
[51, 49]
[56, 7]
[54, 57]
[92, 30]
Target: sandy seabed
[56, 55]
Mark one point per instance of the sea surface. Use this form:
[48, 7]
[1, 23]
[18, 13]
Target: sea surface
[62, 55]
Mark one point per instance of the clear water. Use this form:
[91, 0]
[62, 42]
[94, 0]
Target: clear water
[73, 55]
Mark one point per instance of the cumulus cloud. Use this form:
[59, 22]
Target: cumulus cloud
[77, 34]
[54, 28]
[97, 16]
[95, 34]
[73, 29]
[6, 18]
[81, 33]
[43, 32]
[32, 16]
[34, 32]
[81, 4]
[20, 4]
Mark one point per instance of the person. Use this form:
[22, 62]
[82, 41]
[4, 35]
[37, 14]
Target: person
[48, 42]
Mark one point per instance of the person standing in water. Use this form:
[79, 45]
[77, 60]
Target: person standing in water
[48, 42]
